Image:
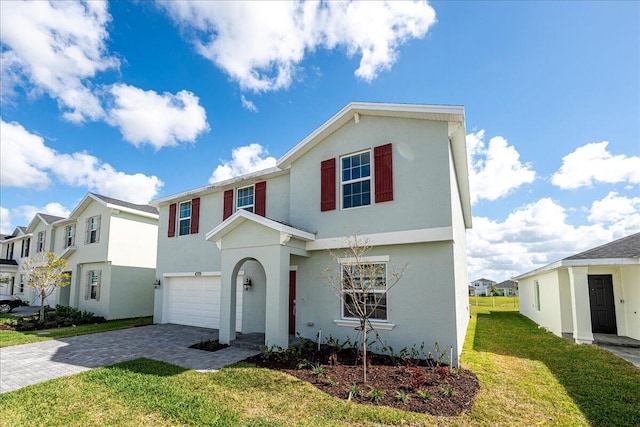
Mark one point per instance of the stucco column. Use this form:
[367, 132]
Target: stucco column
[580, 305]
[277, 298]
[227, 331]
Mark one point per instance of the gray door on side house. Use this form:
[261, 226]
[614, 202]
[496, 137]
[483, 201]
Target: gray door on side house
[603, 311]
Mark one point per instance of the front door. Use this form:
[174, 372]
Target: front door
[292, 303]
[603, 311]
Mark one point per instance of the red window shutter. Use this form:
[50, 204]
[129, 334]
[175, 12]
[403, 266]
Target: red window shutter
[328, 185]
[172, 220]
[228, 204]
[195, 215]
[383, 164]
[260, 203]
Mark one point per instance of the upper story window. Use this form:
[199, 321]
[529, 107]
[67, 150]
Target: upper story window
[25, 247]
[93, 229]
[10, 251]
[364, 291]
[69, 235]
[245, 198]
[184, 219]
[40, 245]
[356, 180]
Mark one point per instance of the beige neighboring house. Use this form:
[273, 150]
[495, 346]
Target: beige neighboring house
[592, 292]
[110, 246]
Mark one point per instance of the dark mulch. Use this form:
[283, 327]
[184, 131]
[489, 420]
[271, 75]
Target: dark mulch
[415, 385]
[209, 345]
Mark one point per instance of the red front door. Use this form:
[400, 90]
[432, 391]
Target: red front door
[292, 303]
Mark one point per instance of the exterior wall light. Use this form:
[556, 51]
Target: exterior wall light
[156, 284]
[247, 283]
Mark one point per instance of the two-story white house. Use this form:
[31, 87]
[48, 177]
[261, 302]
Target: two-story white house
[110, 247]
[249, 254]
[481, 287]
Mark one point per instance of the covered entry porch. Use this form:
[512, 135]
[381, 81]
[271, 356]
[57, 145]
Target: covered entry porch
[244, 237]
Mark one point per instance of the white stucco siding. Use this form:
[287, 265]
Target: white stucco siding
[133, 240]
[421, 307]
[421, 189]
[630, 308]
[131, 292]
[549, 314]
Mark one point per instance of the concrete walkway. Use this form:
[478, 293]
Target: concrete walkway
[28, 364]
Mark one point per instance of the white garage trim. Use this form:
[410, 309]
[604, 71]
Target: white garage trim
[194, 299]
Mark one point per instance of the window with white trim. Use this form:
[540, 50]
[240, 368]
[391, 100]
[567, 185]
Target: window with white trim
[69, 235]
[184, 218]
[40, 245]
[93, 284]
[21, 284]
[245, 199]
[364, 291]
[25, 247]
[355, 179]
[93, 229]
[10, 250]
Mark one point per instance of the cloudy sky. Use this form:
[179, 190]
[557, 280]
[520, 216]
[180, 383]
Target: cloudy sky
[140, 100]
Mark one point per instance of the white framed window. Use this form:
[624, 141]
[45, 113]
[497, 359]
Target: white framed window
[93, 229]
[536, 286]
[21, 284]
[364, 290]
[355, 179]
[41, 238]
[93, 285]
[245, 199]
[10, 250]
[69, 235]
[184, 218]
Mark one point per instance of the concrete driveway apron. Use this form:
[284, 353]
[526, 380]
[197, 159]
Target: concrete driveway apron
[28, 364]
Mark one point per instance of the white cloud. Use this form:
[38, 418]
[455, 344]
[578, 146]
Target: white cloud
[160, 120]
[54, 47]
[249, 105]
[538, 234]
[592, 163]
[494, 170]
[27, 162]
[261, 44]
[5, 221]
[245, 159]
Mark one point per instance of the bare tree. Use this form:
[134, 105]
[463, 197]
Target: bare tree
[45, 273]
[362, 285]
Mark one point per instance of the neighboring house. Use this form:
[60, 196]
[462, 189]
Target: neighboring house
[507, 288]
[394, 174]
[481, 287]
[110, 247]
[596, 291]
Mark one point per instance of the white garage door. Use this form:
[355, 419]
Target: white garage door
[195, 301]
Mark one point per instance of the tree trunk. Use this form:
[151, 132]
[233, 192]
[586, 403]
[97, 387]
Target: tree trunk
[364, 351]
[42, 298]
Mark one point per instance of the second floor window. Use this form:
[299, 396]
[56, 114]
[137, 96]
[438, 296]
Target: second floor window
[93, 229]
[184, 218]
[10, 251]
[41, 236]
[25, 247]
[356, 180]
[245, 198]
[69, 235]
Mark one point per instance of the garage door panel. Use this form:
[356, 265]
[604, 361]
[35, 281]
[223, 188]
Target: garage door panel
[195, 301]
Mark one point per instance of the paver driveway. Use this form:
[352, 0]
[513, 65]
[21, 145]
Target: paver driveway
[27, 364]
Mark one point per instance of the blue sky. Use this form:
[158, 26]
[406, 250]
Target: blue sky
[140, 100]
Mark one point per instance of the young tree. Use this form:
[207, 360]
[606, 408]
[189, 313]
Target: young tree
[362, 285]
[45, 273]
[494, 290]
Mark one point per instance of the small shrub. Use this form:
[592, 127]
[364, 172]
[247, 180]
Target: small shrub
[447, 391]
[331, 382]
[426, 396]
[417, 377]
[317, 370]
[354, 391]
[401, 396]
[376, 395]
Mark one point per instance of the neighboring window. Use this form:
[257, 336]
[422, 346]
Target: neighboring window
[245, 198]
[10, 250]
[40, 246]
[69, 235]
[93, 229]
[356, 180]
[21, 284]
[537, 296]
[25, 247]
[364, 289]
[184, 218]
[93, 285]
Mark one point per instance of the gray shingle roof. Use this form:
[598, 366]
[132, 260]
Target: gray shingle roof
[506, 284]
[50, 218]
[627, 247]
[143, 208]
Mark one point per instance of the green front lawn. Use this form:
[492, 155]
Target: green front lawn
[8, 338]
[528, 377]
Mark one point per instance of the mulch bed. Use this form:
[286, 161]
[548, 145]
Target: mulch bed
[209, 345]
[411, 384]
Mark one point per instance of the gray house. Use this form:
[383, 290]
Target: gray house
[248, 254]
